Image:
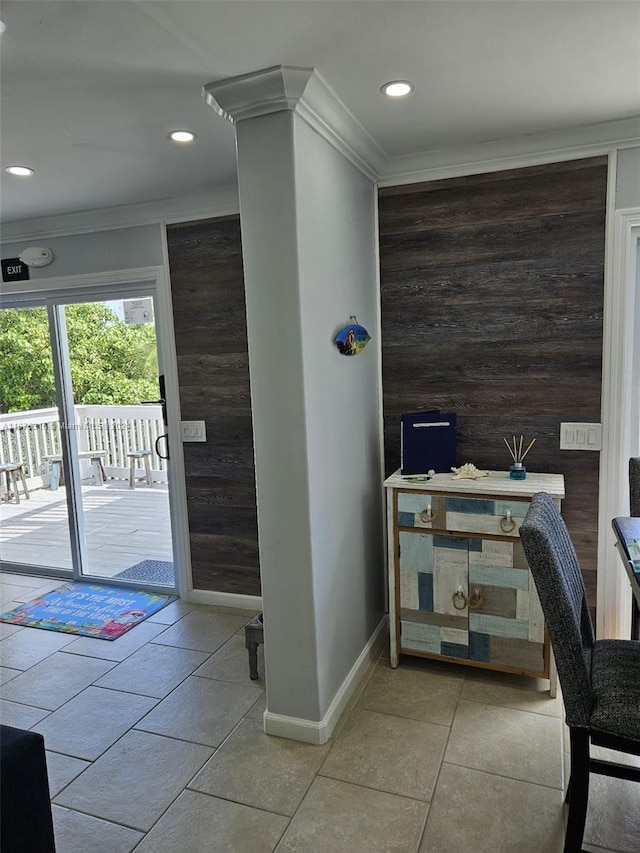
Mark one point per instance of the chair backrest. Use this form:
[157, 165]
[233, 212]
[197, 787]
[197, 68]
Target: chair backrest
[556, 572]
[634, 486]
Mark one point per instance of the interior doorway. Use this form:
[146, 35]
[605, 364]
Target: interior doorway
[84, 416]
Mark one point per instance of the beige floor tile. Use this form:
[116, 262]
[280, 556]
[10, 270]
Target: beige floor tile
[31, 645]
[7, 674]
[11, 593]
[172, 612]
[511, 691]
[475, 811]
[336, 817]
[7, 629]
[613, 816]
[205, 632]
[231, 663]
[197, 823]
[81, 833]
[30, 594]
[55, 680]
[117, 786]
[511, 743]
[200, 710]
[266, 772]
[119, 649]
[389, 753]
[153, 670]
[61, 770]
[20, 716]
[427, 693]
[256, 712]
[92, 721]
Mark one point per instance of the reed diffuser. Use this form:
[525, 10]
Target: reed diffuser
[517, 471]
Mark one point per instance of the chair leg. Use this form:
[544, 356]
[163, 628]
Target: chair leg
[14, 483]
[147, 470]
[24, 483]
[578, 792]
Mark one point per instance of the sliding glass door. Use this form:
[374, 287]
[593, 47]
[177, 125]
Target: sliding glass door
[91, 440]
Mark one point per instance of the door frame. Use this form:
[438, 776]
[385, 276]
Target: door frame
[619, 407]
[155, 279]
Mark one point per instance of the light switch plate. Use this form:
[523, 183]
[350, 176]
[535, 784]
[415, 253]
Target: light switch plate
[193, 431]
[580, 436]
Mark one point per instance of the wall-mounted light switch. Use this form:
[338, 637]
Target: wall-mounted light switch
[580, 436]
[193, 430]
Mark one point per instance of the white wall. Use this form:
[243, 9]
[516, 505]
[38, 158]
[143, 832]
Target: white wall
[310, 256]
[95, 252]
[628, 178]
[337, 257]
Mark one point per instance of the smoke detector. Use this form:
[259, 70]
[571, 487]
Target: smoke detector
[36, 256]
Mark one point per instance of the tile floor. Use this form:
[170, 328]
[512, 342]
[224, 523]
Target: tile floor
[155, 745]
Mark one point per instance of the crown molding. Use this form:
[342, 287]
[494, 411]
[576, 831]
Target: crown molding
[260, 93]
[304, 92]
[512, 153]
[205, 204]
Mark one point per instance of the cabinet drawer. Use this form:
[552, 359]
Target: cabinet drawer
[494, 516]
[478, 515]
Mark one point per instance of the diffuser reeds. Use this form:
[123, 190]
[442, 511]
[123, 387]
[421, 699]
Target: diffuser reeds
[516, 451]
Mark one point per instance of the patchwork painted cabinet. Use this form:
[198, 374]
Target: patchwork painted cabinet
[459, 584]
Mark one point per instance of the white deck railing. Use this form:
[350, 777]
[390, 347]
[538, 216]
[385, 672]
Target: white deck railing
[29, 437]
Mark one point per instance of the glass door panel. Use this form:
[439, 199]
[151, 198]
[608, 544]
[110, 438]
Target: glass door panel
[119, 423]
[34, 514]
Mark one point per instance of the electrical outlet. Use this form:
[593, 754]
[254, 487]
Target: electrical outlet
[193, 430]
[580, 436]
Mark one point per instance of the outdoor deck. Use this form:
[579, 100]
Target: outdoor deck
[123, 527]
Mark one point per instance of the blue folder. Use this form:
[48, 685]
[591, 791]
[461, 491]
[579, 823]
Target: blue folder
[428, 442]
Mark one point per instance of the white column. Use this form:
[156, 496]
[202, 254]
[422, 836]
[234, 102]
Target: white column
[307, 209]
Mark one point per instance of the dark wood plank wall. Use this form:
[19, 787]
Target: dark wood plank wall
[492, 304]
[207, 284]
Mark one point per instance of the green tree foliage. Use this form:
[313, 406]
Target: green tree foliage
[112, 363]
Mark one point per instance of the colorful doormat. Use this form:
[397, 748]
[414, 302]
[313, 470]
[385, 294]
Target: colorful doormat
[104, 612]
[150, 571]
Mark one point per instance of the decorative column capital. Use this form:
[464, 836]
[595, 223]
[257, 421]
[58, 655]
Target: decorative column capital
[304, 92]
[260, 93]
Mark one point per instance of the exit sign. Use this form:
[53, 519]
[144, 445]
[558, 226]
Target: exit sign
[14, 270]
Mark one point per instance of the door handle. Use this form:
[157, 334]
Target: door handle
[157, 445]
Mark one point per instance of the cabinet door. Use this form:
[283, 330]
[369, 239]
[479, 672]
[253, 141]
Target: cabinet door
[433, 617]
[506, 626]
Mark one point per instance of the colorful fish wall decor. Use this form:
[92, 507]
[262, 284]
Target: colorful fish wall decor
[353, 338]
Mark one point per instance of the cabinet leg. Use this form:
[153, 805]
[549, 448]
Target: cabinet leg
[553, 678]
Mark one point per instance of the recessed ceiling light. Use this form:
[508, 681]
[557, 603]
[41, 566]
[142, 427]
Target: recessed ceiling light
[182, 136]
[397, 88]
[21, 171]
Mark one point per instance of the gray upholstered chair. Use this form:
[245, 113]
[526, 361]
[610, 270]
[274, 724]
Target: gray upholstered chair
[600, 679]
[634, 486]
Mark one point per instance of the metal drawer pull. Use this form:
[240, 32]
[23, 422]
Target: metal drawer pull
[459, 599]
[476, 600]
[427, 514]
[507, 524]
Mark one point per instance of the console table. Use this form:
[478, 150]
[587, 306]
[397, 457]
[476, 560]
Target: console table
[460, 588]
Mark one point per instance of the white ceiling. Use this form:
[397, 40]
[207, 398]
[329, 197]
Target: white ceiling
[90, 88]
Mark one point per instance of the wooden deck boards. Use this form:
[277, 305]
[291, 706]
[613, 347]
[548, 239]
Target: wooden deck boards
[123, 527]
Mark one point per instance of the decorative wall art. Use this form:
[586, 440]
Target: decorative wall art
[353, 338]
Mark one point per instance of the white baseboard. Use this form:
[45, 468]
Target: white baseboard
[319, 732]
[224, 599]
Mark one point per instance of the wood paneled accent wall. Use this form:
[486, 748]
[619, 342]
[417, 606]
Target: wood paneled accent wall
[207, 284]
[492, 305]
